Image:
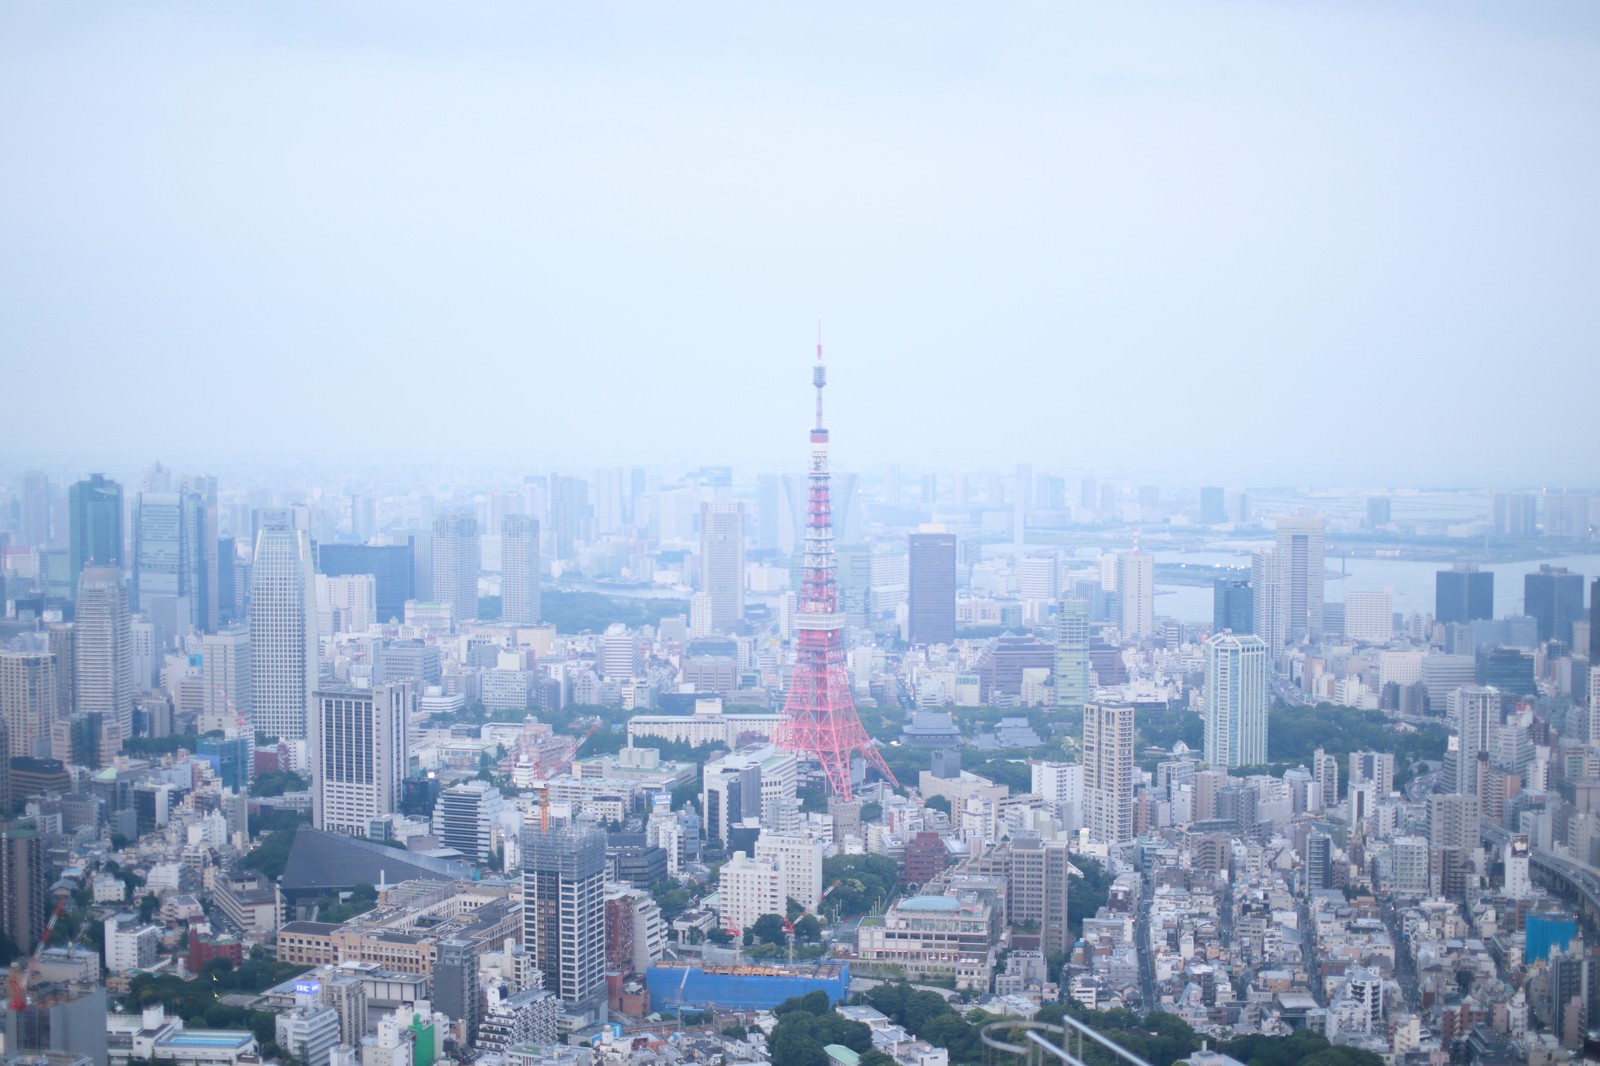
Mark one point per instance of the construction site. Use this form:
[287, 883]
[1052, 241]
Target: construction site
[678, 987]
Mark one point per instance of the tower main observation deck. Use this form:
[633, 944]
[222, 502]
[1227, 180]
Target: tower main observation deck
[819, 716]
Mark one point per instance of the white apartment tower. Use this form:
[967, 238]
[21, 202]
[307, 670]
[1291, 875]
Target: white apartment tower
[359, 756]
[1236, 700]
[1108, 771]
[1136, 586]
[747, 889]
[349, 603]
[283, 634]
[722, 561]
[798, 860]
[1476, 712]
[28, 692]
[1300, 575]
[519, 570]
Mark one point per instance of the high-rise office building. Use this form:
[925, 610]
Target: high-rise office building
[931, 586]
[1594, 622]
[1301, 575]
[1108, 771]
[1266, 607]
[1463, 594]
[519, 570]
[103, 647]
[347, 604]
[1136, 588]
[1213, 506]
[225, 670]
[722, 561]
[464, 817]
[1037, 879]
[227, 594]
[608, 501]
[63, 644]
[390, 565]
[1554, 598]
[569, 514]
[456, 563]
[283, 634]
[1236, 700]
[455, 985]
[563, 913]
[771, 510]
[24, 884]
[1369, 616]
[1232, 605]
[359, 756]
[28, 694]
[174, 554]
[1516, 514]
[33, 498]
[1072, 654]
[94, 509]
[1453, 821]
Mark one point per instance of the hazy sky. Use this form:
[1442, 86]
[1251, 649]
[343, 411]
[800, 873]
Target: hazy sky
[1290, 243]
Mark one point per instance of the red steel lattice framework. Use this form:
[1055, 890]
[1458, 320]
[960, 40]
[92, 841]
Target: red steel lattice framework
[819, 716]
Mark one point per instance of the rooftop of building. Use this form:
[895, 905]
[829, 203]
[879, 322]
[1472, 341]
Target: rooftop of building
[208, 1038]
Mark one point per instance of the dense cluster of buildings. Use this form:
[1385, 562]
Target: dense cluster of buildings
[184, 667]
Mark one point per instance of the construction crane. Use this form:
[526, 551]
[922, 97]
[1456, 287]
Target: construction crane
[20, 980]
[544, 790]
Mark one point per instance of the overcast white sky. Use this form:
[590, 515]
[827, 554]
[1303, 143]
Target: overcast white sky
[1292, 243]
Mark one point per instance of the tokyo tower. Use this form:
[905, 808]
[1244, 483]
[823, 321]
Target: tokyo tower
[819, 716]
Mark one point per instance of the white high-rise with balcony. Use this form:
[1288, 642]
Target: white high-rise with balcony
[1236, 700]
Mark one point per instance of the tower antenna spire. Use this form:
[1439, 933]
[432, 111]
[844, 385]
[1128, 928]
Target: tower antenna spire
[819, 718]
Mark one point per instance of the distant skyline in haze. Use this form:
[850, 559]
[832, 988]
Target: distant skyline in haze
[1233, 243]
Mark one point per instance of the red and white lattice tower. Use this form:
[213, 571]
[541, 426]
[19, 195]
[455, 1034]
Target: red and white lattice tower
[819, 717]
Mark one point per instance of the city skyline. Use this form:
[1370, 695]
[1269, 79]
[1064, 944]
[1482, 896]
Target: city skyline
[1324, 222]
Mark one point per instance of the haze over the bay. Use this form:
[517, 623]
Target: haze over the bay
[1244, 242]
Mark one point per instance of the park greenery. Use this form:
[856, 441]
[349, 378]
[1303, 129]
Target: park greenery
[572, 611]
[865, 882]
[1163, 1039]
[1159, 1038]
[276, 783]
[1086, 894]
[167, 745]
[927, 1016]
[361, 899]
[1295, 733]
[198, 1000]
[807, 1025]
[271, 854]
